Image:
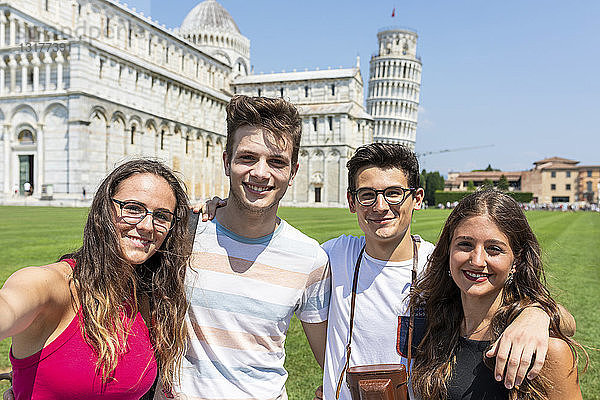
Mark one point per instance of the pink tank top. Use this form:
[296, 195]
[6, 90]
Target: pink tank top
[66, 367]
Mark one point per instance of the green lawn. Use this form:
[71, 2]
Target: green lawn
[570, 241]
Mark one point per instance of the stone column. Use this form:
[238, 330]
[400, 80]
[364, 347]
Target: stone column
[48, 63]
[343, 186]
[36, 72]
[325, 190]
[21, 32]
[2, 76]
[59, 70]
[24, 70]
[3, 22]
[41, 139]
[7, 161]
[12, 63]
[12, 35]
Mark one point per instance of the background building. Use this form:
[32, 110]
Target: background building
[394, 87]
[551, 180]
[111, 83]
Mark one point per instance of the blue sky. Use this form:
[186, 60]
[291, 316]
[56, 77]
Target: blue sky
[521, 75]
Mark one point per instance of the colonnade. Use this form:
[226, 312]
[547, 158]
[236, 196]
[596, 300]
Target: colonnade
[24, 72]
[400, 69]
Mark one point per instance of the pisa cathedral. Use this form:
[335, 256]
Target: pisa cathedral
[86, 84]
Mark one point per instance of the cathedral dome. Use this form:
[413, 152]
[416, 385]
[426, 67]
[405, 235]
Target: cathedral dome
[206, 17]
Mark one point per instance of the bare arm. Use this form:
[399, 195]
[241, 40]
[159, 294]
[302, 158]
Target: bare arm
[561, 372]
[317, 338]
[525, 337]
[23, 297]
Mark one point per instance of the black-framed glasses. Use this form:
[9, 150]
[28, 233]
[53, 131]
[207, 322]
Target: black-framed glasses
[393, 195]
[133, 212]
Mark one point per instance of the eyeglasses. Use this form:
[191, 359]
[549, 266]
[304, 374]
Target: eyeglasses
[393, 195]
[133, 213]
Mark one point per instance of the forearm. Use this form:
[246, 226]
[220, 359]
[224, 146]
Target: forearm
[317, 339]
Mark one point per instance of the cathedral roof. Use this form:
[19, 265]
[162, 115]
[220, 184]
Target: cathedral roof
[208, 16]
[297, 76]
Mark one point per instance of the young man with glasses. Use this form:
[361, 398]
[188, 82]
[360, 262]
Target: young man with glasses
[383, 192]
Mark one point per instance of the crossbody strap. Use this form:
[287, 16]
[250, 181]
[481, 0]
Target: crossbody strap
[415, 240]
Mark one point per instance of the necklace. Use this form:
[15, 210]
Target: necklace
[476, 330]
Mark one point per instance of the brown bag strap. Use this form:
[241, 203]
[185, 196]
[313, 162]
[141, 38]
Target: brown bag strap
[415, 240]
[411, 318]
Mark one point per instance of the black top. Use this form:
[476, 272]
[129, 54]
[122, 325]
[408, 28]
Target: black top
[471, 379]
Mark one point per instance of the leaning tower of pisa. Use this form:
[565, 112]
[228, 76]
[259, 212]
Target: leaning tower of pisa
[394, 87]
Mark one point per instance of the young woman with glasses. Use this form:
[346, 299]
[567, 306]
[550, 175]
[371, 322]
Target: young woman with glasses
[101, 322]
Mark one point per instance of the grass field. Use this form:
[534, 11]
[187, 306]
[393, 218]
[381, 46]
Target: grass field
[570, 241]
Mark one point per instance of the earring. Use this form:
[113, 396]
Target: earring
[449, 273]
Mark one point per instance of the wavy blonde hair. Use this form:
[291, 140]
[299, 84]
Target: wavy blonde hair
[109, 287]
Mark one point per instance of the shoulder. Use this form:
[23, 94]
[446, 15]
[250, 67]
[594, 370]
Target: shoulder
[426, 248]
[45, 277]
[559, 353]
[343, 244]
[298, 242]
[559, 366]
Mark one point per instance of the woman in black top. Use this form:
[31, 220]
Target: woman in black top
[485, 269]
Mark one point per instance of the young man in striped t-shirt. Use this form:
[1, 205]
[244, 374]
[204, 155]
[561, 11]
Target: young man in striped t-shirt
[251, 271]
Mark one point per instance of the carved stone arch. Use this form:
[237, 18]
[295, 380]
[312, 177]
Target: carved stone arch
[118, 115]
[98, 110]
[316, 178]
[24, 112]
[135, 120]
[151, 125]
[221, 53]
[178, 131]
[303, 153]
[244, 65]
[25, 134]
[318, 153]
[334, 153]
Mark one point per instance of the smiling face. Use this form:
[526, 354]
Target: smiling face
[480, 258]
[260, 170]
[383, 223]
[139, 242]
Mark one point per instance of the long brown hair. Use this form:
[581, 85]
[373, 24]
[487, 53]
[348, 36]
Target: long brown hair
[108, 286]
[439, 295]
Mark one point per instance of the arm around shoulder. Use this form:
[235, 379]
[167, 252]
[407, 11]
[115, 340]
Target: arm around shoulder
[25, 295]
[561, 371]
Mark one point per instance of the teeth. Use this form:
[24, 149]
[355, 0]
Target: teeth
[476, 275]
[140, 241]
[258, 188]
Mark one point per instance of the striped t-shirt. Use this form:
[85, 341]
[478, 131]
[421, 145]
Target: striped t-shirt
[243, 293]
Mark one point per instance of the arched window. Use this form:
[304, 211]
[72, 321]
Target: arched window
[26, 137]
[132, 134]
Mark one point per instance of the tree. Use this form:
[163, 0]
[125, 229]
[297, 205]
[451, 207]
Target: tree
[431, 181]
[503, 183]
[489, 168]
[487, 184]
[470, 186]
